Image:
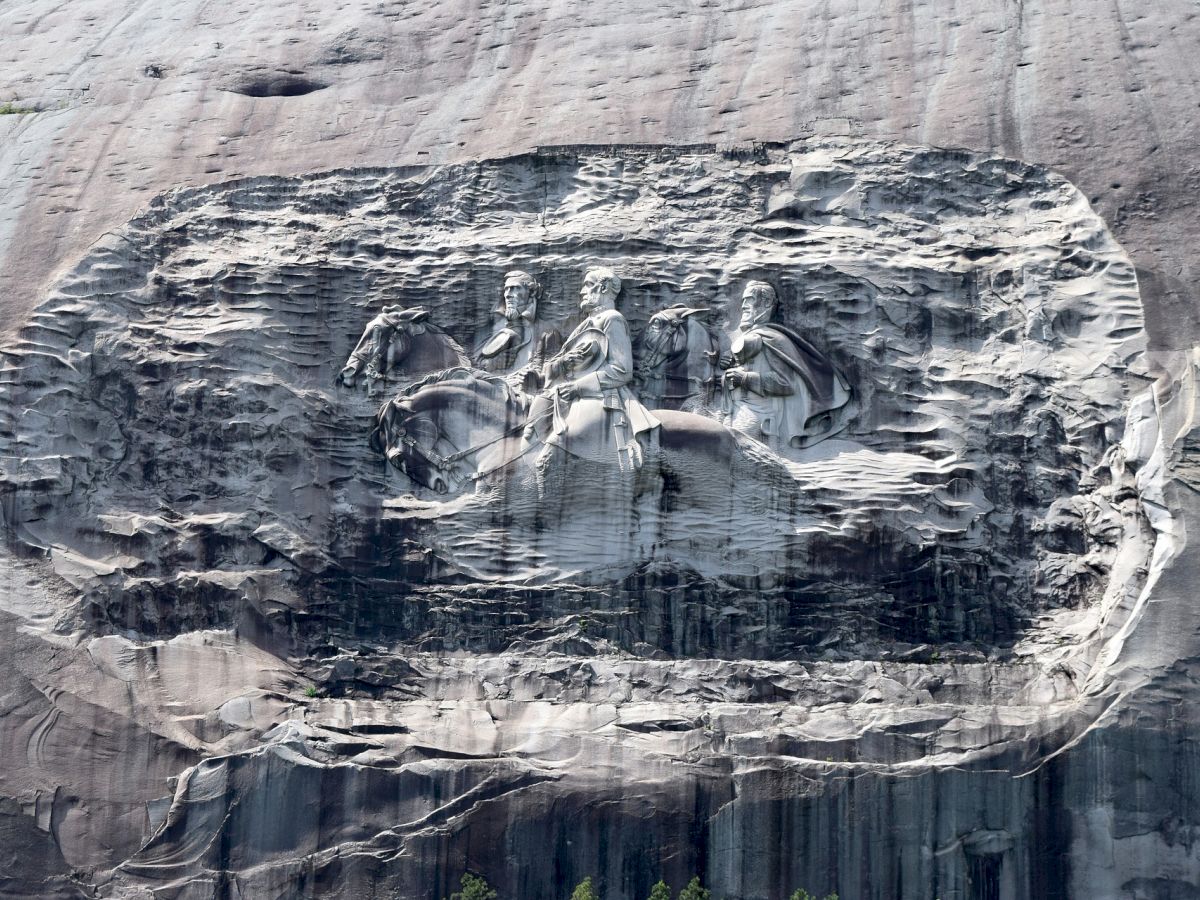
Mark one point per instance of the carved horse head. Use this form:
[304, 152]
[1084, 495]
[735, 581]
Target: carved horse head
[397, 343]
[409, 441]
[679, 356]
[444, 430]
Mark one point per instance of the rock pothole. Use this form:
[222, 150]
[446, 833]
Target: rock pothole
[274, 84]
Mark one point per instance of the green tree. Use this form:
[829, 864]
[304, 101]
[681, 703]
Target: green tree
[585, 891]
[661, 891]
[474, 888]
[694, 891]
[802, 894]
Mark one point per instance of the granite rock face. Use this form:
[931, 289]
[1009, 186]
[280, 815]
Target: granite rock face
[947, 652]
[180, 433]
[319, 676]
[137, 99]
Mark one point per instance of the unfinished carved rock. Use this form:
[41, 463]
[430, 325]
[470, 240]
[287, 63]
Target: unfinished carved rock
[738, 635]
[180, 430]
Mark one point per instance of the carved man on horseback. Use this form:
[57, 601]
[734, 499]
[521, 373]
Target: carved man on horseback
[520, 342]
[777, 385]
[588, 408]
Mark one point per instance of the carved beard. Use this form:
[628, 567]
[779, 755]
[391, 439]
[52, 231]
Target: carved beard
[589, 305]
[752, 318]
[518, 317]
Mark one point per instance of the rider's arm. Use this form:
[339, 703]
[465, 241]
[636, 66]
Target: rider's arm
[765, 384]
[764, 378]
[771, 384]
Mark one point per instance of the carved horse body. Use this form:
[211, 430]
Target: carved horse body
[398, 345]
[679, 368]
[445, 430]
[455, 427]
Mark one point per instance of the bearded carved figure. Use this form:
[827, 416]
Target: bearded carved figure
[777, 387]
[589, 408]
[519, 343]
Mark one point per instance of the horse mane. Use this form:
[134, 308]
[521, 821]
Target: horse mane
[434, 378]
[452, 374]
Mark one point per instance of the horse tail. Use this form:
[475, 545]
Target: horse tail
[761, 457]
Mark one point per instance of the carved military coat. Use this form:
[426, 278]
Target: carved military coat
[606, 417]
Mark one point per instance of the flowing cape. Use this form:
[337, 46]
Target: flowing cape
[826, 387]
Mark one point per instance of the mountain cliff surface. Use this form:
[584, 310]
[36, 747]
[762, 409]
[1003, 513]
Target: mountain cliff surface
[951, 654]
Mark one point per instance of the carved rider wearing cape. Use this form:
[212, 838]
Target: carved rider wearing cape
[519, 345]
[588, 408]
[779, 385]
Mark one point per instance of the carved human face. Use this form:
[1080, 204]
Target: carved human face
[518, 301]
[595, 293]
[756, 308]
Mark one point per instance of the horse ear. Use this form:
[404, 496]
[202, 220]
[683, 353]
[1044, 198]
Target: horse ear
[700, 311]
[672, 313]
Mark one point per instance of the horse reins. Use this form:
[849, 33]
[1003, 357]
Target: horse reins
[445, 462]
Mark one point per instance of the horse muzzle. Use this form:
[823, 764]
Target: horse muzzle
[654, 360]
[395, 457]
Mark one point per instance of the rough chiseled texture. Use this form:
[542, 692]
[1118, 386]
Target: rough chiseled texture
[158, 632]
[176, 430]
[140, 97]
[939, 591]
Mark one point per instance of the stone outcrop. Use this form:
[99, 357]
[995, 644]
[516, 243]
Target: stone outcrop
[137, 99]
[177, 429]
[240, 655]
[331, 679]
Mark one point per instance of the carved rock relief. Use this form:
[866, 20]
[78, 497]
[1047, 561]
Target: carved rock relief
[186, 415]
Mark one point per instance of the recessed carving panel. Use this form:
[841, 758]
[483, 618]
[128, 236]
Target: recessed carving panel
[185, 418]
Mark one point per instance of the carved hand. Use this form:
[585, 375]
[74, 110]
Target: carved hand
[579, 355]
[569, 391]
[722, 360]
[737, 377]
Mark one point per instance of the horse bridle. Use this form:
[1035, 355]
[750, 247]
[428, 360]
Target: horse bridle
[445, 462]
[365, 357]
[666, 358]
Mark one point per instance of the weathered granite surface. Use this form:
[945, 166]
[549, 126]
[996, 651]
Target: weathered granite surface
[179, 447]
[159, 633]
[939, 591]
[140, 98]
